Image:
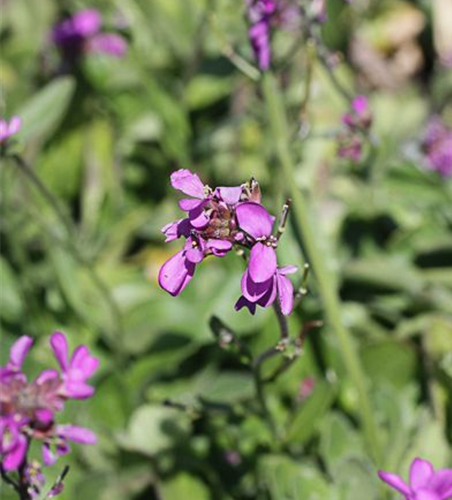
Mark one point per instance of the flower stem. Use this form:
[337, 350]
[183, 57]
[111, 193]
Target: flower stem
[326, 282]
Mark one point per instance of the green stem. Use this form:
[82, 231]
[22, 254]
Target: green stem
[326, 282]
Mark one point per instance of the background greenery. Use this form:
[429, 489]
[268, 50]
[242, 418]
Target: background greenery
[176, 413]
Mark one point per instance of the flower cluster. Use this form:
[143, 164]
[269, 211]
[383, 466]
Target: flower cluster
[356, 123]
[437, 146]
[28, 409]
[217, 219]
[82, 33]
[425, 482]
[263, 16]
[9, 128]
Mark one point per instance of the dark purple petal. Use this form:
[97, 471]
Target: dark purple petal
[175, 273]
[175, 230]
[254, 219]
[77, 434]
[420, 473]
[262, 265]
[230, 195]
[198, 217]
[59, 345]
[187, 182]
[270, 296]
[219, 247]
[19, 350]
[285, 292]
[441, 483]
[394, 481]
[242, 302]
[108, 43]
[254, 291]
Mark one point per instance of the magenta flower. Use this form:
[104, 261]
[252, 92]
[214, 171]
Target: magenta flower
[8, 129]
[437, 146]
[82, 33]
[28, 410]
[217, 219]
[263, 16]
[425, 483]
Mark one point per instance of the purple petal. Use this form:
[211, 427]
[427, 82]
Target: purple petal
[187, 182]
[441, 483]
[285, 292]
[394, 481]
[76, 389]
[230, 195]
[14, 125]
[175, 273]
[16, 456]
[188, 204]
[195, 255]
[108, 43]
[254, 219]
[243, 302]
[198, 217]
[77, 434]
[219, 247]
[58, 342]
[44, 416]
[287, 270]
[254, 291]
[426, 495]
[83, 362]
[175, 230]
[420, 473]
[86, 22]
[46, 375]
[19, 350]
[48, 456]
[262, 265]
[360, 104]
[270, 296]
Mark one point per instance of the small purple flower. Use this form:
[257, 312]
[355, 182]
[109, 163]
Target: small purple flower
[425, 483]
[360, 116]
[437, 146]
[263, 16]
[8, 129]
[82, 33]
[27, 410]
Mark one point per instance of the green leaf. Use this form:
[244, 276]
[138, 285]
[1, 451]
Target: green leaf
[12, 305]
[184, 486]
[42, 114]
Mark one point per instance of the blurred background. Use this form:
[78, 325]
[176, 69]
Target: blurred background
[81, 242]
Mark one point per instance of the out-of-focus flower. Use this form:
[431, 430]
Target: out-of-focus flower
[437, 146]
[306, 387]
[9, 128]
[425, 483]
[217, 219]
[357, 123]
[82, 33]
[27, 410]
[264, 16]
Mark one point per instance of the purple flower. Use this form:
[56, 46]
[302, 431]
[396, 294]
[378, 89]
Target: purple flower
[263, 16]
[27, 410]
[76, 371]
[437, 146]
[82, 33]
[8, 129]
[425, 483]
[360, 116]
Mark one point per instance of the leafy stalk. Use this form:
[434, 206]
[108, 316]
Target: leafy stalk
[328, 289]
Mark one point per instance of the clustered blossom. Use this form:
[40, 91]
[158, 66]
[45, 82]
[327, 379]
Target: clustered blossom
[28, 409]
[217, 219]
[9, 128]
[82, 33]
[356, 122]
[425, 483]
[264, 16]
[437, 146]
